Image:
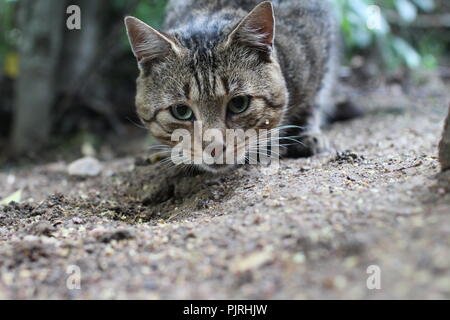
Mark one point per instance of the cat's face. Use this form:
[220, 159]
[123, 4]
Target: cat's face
[232, 83]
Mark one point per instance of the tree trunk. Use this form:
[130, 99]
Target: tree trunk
[80, 47]
[42, 25]
[63, 73]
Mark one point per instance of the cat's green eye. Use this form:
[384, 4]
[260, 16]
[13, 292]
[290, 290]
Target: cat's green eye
[238, 104]
[182, 112]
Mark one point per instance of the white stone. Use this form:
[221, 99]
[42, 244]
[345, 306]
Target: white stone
[87, 166]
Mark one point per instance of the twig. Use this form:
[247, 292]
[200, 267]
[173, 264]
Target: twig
[437, 21]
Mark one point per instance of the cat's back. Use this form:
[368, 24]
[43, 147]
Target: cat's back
[290, 13]
[179, 12]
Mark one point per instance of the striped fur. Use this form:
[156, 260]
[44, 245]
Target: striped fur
[206, 55]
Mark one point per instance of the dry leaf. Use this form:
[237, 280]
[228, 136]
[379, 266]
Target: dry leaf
[16, 197]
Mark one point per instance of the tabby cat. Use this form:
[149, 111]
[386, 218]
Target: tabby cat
[231, 65]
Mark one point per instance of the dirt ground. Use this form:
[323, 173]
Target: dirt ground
[308, 230]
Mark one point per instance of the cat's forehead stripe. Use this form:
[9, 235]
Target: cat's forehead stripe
[187, 91]
[207, 86]
[224, 82]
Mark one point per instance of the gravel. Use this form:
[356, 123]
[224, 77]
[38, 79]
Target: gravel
[311, 229]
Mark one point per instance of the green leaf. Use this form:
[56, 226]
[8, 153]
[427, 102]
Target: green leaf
[429, 61]
[16, 197]
[408, 53]
[406, 10]
[359, 8]
[382, 26]
[425, 5]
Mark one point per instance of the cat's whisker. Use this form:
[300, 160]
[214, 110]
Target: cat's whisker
[159, 146]
[266, 153]
[277, 138]
[140, 126]
[288, 127]
[160, 153]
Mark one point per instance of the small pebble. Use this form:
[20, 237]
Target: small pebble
[84, 167]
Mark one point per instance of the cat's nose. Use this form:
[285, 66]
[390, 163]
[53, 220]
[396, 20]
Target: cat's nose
[221, 150]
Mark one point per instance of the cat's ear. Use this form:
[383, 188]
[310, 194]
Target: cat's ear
[147, 43]
[257, 29]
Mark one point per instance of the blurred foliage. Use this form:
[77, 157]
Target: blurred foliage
[8, 38]
[366, 27]
[382, 27]
[150, 11]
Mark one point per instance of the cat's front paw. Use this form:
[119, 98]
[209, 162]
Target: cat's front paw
[311, 143]
[316, 143]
